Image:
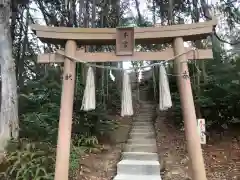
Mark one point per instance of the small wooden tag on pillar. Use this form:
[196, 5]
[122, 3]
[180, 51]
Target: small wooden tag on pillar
[125, 41]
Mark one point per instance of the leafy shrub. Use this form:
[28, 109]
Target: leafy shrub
[39, 126]
[28, 161]
[84, 141]
[75, 154]
[219, 98]
[33, 156]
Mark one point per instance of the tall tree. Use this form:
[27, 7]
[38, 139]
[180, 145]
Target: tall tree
[9, 105]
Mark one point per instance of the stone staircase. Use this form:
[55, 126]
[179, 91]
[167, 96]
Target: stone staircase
[140, 159]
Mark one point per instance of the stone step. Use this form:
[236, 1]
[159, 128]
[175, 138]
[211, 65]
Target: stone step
[148, 119]
[141, 130]
[142, 156]
[143, 127]
[142, 124]
[141, 141]
[141, 147]
[142, 135]
[146, 128]
[137, 177]
[140, 160]
[145, 114]
[143, 120]
[148, 113]
[145, 108]
[146, 105]
[138, 167]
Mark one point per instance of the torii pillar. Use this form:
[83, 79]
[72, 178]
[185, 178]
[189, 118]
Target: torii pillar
[188, 111]
[65, 121]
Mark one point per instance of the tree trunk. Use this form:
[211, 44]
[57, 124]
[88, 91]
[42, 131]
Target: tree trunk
[80, 16]
[198, 44]
[154, 12]
[116, 5]
[170, 12]
[24, 50]
[85, 11]
[208, 16]
[139, 13]
[14, 19]
[9, 107]
[18, 49]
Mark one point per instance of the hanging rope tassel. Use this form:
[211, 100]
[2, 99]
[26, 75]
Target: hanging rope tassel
[89, 98]
[165, 100]
[127, 109]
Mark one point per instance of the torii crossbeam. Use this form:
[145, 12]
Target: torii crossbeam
[125, 39]
[167, 54]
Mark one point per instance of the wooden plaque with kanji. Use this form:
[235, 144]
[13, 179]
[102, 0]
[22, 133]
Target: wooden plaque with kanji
[125, 41]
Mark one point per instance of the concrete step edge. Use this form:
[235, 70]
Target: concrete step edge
[137, 177]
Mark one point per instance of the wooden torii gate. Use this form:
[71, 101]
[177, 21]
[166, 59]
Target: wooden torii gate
[125, 39]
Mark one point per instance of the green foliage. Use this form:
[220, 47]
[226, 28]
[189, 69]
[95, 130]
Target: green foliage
[43, 106]
[75, 154]
[220, 98]
[113, 100]
[33, 156]
[28, 161]
[40, 110]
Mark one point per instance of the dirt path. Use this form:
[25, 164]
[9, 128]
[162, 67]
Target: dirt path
[100, 166]
[222, 158]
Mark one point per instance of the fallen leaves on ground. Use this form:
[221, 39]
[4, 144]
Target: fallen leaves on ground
[100, 166]
[222, 158]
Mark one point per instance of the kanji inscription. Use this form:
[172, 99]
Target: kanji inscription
[124, 41]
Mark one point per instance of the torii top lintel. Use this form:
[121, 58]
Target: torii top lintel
[107, 36]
